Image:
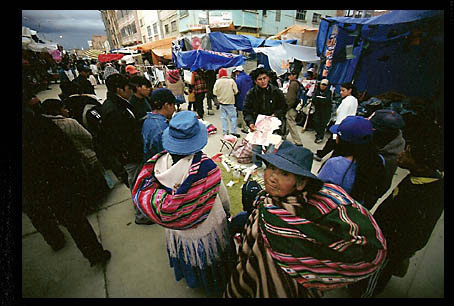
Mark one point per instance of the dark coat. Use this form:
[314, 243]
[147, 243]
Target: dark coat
[268, 101]
[121, 130]
[84, 85]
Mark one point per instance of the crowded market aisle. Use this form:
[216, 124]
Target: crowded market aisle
[139, 264]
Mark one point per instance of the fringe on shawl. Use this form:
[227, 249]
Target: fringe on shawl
[200, 250]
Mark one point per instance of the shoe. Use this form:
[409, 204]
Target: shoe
[318, 140]
[105, 256]
[317, 158]
[143, 222]
[236, 135]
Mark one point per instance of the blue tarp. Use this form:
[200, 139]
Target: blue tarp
[228, 42]
[206, 59]
[400, 51]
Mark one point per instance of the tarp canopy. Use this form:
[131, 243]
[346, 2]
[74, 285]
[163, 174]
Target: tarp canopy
[93, 53]
[280, 55]
[206, 59]
[295, 29]
[102, 58]
[228, 42]
[399, 51]
[162, 47]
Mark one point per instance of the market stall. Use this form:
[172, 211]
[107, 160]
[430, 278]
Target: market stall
[206, 59]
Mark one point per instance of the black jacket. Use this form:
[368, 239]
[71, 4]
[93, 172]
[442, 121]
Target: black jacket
[268, 101]
[121, 130]
[84, 85]
[322, 99]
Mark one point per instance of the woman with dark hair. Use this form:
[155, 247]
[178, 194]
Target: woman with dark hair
[303, 236]
[347, 107]
[358, 168]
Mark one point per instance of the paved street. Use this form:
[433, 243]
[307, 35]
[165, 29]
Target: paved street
[139, 265]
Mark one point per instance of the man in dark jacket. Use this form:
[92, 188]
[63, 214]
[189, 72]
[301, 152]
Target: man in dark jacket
[141, 88]
[82, 81]
[322, 100]
[122, 137]
[262, 99]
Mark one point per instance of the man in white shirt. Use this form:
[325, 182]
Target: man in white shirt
[225, 89]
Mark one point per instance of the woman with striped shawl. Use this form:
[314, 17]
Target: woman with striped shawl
[181, 190]
[303, 236]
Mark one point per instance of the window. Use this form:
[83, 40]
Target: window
[149, 31]
[184, 13]
[316, 18]
[278, 15]
[133, 28]
[264, 12]
[166, 27]
[144, 39]
[141, 22]
[358, 14]
[301, 14]
[155, 28]
[173, 26]
[156, 37]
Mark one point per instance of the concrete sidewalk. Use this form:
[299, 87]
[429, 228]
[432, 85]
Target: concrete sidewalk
[139, 265]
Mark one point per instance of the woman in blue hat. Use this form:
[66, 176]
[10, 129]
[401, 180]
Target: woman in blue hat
[181, 189]
[358, 168]
[303, 236]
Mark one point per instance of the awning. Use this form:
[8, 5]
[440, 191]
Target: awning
[93, 54]
[160, 45]
[206, 59]
[280, 55]
[109, 57]
[294, 29]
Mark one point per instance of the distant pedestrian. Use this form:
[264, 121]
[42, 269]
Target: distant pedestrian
[200, 89]
[210, 77]
[94, 71]
[244, 83]
[175, 84]
[82, 82]
[131, 70]
[348, 107]
[109, 70]
[292, 101]
[322, 100]
[225, 90]
[191, 98]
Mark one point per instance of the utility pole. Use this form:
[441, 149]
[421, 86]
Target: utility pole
[207, 30]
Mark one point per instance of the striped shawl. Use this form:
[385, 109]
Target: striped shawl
[187, 206]
[326, 243]
[298, 246]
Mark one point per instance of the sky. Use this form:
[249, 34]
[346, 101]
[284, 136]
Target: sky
[69, 28]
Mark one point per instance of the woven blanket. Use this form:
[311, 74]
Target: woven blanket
[185, 207]
[325, 242]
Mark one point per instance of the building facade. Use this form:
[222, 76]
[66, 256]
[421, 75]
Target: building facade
[109, 19]
[149, 25]
[169, 22]
[129, 27]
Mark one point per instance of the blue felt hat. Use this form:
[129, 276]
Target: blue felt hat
[185, 134]
[354, 130]
[293, 159]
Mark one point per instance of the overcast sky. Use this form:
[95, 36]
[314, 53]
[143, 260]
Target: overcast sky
[75, 26]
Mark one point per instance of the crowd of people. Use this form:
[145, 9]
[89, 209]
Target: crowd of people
[302, 234]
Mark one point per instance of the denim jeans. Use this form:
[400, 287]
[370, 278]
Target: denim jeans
[228, 113]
